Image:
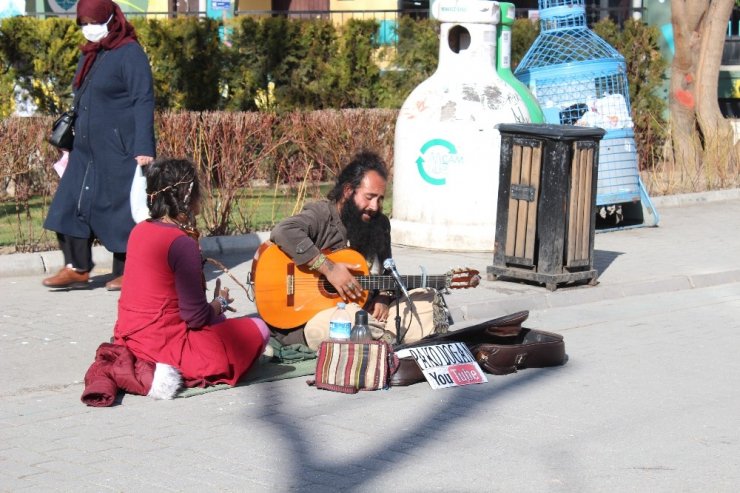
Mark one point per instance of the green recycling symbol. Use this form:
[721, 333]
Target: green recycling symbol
[436, 164]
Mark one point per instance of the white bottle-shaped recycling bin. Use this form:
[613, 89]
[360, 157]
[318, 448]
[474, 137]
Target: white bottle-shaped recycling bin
[446, 164]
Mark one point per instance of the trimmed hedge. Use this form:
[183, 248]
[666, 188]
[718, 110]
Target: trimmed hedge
[234, 151]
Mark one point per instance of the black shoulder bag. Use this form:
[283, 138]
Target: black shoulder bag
[63, 129]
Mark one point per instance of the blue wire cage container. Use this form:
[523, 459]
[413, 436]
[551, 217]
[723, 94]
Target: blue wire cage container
[579, 79]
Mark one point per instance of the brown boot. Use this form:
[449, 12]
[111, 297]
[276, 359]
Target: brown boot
[115, 284]
[68, 278]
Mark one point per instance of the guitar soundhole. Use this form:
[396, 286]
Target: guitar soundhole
[327, 287]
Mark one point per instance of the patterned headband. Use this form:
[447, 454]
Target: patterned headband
[170, 187]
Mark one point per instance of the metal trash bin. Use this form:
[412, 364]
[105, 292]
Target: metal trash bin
[546, 204]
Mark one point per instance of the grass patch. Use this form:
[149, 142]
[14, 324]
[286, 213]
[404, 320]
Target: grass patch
[259, 209]
[21, 225]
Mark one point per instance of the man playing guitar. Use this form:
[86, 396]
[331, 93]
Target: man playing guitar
[351, 217]
[335, 249]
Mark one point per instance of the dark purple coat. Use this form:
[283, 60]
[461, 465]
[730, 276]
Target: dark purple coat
[115, 123]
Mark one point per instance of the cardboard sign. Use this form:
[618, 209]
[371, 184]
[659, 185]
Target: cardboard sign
[446, 365]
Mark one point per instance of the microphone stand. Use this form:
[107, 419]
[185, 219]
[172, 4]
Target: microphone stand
[398, 315]
[400, 290]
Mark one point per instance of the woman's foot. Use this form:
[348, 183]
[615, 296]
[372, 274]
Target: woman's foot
[68, 278]
[115, 284]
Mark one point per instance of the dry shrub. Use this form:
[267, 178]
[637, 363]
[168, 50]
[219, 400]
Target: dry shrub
[317, 144]
[232, 150]
[176, 133]
[27, 158]
[235, 150]
[241, 152]
[26, 172]
[671, 176]
[328, 138]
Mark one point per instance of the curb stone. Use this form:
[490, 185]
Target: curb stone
[695, 198]
[225, 245]
[42, 263]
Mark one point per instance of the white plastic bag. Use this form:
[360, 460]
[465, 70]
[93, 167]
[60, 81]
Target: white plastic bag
[139, 208]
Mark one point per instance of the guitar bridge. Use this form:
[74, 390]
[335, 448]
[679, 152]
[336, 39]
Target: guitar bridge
[290, 285]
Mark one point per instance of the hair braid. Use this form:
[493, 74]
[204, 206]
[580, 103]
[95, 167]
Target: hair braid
[172, 187]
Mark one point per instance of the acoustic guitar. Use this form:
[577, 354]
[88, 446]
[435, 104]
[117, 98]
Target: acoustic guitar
[288, 295]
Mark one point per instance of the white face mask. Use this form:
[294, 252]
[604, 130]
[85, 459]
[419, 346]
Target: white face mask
[96, 32]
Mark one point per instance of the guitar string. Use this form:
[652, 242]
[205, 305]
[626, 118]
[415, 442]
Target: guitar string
[371, 281]
[368, 285]
[385, 281]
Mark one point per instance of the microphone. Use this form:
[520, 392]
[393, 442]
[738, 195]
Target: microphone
[390, 264]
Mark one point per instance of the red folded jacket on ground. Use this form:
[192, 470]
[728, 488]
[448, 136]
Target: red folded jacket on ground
[117, 369]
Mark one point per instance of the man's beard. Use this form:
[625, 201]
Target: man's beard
[365, 237]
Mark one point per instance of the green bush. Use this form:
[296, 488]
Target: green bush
[262, 50]
[295, 55]
[413, 60]
[242, 73]
[312, 63]
[523, 34]
[355, 73]
[7, 92]
[43, 56]
[308, 85]
[186, 58]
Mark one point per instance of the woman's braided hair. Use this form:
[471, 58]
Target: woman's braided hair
[172, 188]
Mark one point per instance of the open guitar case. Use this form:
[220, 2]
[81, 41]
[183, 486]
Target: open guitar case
[500, 346]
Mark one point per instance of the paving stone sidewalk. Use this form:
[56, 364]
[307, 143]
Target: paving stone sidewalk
[647, 401]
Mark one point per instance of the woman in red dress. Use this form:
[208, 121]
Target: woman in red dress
[163, 313]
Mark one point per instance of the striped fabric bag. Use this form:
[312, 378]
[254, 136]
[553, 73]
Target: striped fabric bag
[352, 366]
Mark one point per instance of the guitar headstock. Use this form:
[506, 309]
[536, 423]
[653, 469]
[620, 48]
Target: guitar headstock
[462, 278]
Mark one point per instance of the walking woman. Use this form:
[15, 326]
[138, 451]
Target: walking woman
[114, 133]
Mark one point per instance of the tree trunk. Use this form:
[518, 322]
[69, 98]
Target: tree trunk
[682, 105]
[702, 138]
[717, 131]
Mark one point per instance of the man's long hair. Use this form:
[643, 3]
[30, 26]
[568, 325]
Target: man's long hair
[367, 238]
[355, 171]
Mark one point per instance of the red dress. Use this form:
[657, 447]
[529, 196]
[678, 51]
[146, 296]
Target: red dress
[157, 299]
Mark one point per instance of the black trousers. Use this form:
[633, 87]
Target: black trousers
[78, 253]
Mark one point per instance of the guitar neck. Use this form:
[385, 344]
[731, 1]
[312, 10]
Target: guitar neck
[384, 283]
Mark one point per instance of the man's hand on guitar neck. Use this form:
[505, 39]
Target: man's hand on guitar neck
[340, 276]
